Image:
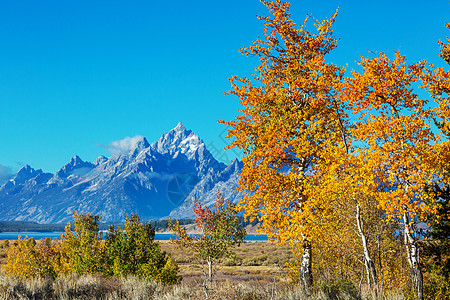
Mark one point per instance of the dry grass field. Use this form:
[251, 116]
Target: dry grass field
[256, 272]
[255, 261]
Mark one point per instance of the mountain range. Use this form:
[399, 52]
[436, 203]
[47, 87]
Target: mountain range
[155, 181]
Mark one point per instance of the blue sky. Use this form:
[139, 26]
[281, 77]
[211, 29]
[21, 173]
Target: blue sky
[77, 75]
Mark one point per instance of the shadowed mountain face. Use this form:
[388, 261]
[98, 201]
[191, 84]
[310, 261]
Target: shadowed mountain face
[154, 181]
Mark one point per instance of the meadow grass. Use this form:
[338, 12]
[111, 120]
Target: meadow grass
[254, 261]
[96, 287]
[256, 272]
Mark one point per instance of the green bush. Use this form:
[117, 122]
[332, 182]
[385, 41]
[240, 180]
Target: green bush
[82, 249]
[133, 251]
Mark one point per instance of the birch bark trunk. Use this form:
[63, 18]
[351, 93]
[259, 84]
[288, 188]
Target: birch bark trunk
[412, 251]
[209, 270]
[306, 278]
[369, 262]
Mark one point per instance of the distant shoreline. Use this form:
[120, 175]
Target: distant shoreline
[161, 227]
[11, 230]
[13, 236]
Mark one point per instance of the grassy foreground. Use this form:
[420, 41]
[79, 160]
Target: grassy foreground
[254, 262]
[92, 287]
[257, 272]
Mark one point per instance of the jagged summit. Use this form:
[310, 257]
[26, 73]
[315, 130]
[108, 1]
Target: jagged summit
[25, 173]
[26, 169]
[76, 161]
[179, 139]
[170, 140]
[75, 167]
[180, 127]
[141, 143]
[235, 165]
[99, 160]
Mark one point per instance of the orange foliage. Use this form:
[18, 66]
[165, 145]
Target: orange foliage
[291, 124]
[394, 131]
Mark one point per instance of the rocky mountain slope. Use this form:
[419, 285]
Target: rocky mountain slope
[153, 180]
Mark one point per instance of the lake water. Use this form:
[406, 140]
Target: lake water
[52, 235]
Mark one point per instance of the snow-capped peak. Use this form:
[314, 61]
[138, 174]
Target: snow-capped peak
[25, 173]
[75, 161]
[178, 140]
[25, 170]
[179, 127]
[101, 159]
[76, 166]
[234, 166]
[140, 143]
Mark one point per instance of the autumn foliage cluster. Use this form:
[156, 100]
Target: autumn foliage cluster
[346, 166]
[125, 251]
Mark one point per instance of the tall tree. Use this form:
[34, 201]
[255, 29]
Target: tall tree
[291, 125]
[396, 142]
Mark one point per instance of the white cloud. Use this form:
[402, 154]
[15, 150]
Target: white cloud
[124, 146]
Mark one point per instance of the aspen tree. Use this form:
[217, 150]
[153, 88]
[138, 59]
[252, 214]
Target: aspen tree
[396, 142]
[291, 120]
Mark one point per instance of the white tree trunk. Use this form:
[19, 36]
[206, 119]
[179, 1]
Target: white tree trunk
[209, 269]
[306, 265]
[370, 265]
[412, 251]
[208, 277]
[306, 278]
